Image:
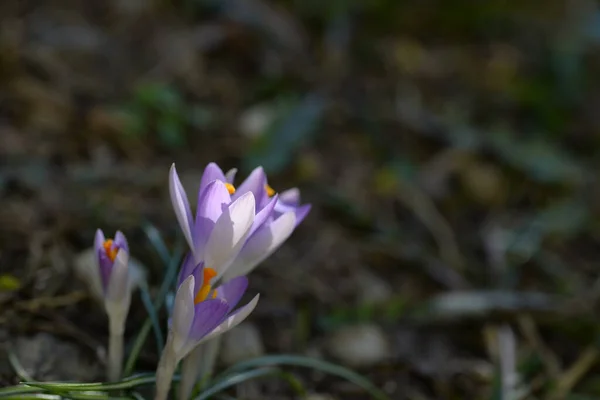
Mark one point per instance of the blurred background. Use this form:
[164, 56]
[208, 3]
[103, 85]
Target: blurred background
[449, 150]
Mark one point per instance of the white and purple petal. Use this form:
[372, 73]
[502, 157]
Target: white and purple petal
[121, 241]
[119, 286]
[229, 233]
[187, 267]
[183, 313]
[262, 244]
[232, 291]
[212, 172]
[263, 215]
[232, 320]
[290, 196]
[255, 183]
[181, 205]
[208, 315]
[213, 200]
[230, 175]
[300, 211]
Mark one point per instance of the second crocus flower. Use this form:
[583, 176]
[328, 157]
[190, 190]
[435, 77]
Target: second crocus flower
[200, 313]
[112, 260]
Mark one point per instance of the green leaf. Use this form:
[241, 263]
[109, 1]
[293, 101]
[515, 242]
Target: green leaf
[152, 315]
[127, 383]
[307, 362]
[38, 396]
[240, 377]
[16, 390]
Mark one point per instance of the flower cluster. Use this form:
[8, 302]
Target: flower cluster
[232, 231]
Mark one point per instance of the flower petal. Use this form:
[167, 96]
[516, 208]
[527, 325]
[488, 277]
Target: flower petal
[208, 315]
[187, 267]
[190, 267]
[290, 196]
[233, 291]
[230, 175]
[211, 173]
[103, 263]
[302, 212]
[263, 215]
[181, 205]
[121, 241]
[262, 244]
[119, 287]
[232, 320]
[213, 200]
[183, 313]
[229, 233]
[255, 183]
[99, 240]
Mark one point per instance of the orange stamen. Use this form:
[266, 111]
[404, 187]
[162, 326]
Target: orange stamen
[230, 188]
[204, 291]
[270, 190]
[111, 251]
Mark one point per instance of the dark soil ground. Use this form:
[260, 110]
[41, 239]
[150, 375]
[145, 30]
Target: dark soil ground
[449, 150]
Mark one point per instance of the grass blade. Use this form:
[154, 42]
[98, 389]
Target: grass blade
[157, 241]
[127, 383]
[307, 362]
[38, 396]
[152, 315]
[236, 379]
[168, 280]
[17, 390]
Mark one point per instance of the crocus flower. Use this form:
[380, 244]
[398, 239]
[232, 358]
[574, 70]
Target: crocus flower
[221, 226]
[282, 214]
[275, 218]
[199, 314]
[112, 258]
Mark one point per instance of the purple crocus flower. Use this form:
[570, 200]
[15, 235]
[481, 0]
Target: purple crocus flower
[200, 312]
[112, 258]
[282, 214]
[221, 225]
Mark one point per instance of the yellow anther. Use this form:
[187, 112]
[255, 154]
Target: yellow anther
[270, 190]
[230, 188]
[204, 291]
[110, 251]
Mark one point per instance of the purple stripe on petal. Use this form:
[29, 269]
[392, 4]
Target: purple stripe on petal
[121, 241]
[233, 291]
[211, 173]
[207, 316]
[263, 215]
[211, 204]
